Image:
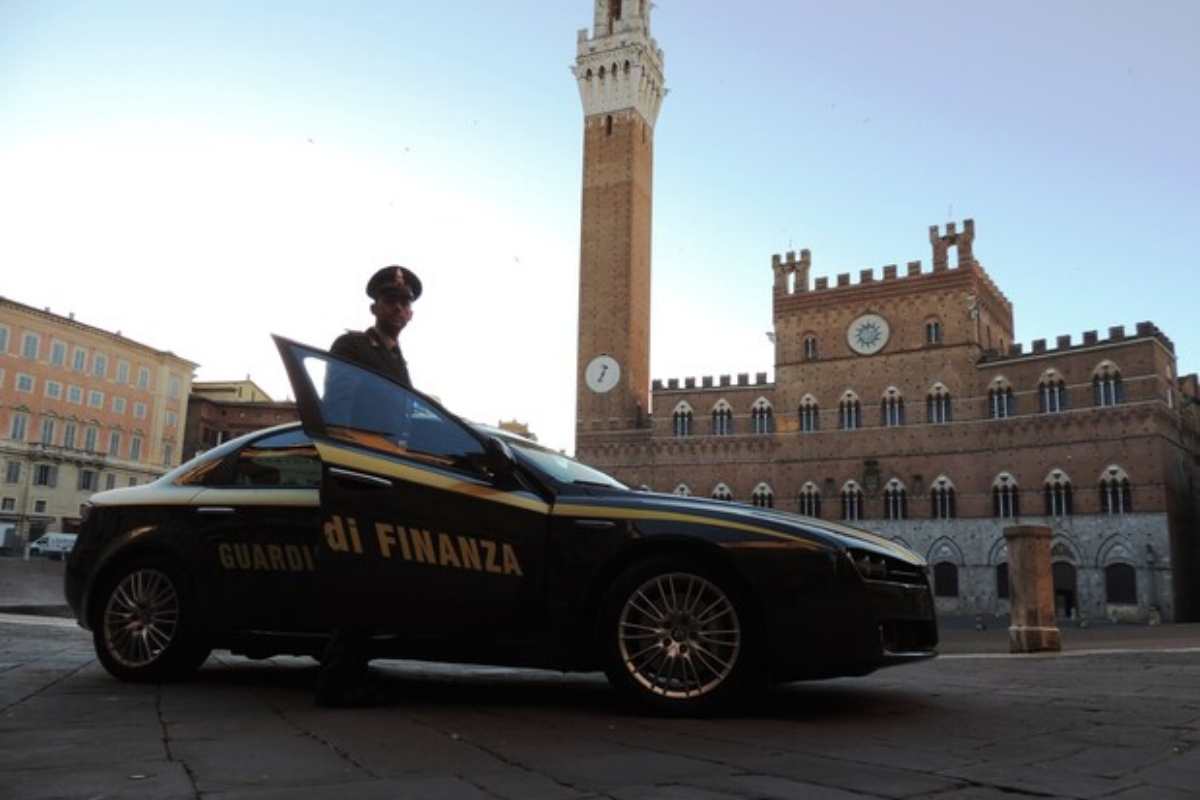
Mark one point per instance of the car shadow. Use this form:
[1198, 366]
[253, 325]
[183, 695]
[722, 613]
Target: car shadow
[424, 685]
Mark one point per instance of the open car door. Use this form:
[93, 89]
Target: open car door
[423, 538]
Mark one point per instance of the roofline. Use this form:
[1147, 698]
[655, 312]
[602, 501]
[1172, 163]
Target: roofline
[74, 323]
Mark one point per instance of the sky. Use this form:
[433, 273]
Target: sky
[202, 175]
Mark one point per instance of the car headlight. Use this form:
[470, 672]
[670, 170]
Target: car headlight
[871, 566]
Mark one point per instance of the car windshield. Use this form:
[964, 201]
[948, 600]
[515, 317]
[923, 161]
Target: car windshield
[561, 468]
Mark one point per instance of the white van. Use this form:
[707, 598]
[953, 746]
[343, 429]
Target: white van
[53, 545]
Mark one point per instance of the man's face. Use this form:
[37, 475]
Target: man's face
[392, 310]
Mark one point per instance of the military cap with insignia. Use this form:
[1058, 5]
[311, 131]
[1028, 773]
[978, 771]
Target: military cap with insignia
[394, 279]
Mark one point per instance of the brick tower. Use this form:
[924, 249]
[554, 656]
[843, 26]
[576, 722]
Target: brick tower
[620, 75]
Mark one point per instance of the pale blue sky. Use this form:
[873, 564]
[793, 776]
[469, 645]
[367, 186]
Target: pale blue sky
[202, 175]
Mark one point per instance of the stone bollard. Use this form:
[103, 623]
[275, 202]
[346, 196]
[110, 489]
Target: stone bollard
[1031, 590]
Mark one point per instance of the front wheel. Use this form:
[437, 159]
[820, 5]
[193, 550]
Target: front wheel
[142, 630]
[678, 637]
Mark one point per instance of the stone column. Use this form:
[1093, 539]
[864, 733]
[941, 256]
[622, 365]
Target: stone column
[1031, 590]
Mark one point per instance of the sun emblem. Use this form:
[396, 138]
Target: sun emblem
[869, 333]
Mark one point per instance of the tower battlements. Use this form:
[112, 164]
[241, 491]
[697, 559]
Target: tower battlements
[1064, 342]
[620, 66]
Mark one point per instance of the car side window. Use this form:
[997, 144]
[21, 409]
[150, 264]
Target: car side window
[285, 460]
[366, 409]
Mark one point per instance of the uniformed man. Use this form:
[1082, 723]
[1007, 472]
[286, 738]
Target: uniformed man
[344, 679]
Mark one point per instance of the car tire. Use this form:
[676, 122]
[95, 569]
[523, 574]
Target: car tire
[679, 637]
[143, 625]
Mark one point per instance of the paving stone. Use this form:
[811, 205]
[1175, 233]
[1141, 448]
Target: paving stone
[422, 788]
[117, 781]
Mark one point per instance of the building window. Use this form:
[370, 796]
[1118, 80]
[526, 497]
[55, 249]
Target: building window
[1120, 584]
[17, 429]
[79, 359]
[849, 412]
[945, 579]
[89, 439]
[1058, 495]
[3, 340]
[938, 409]
[810, 348]
[75, 395]
[895, 500]
[1116, 493]
[100, 365]
[722, 419]
[47, 431]
[69, 436]
[54, 390]
[1002, 580]
[761, 417]
[58, 353]
[133, 481]
[96, 399]
[681, 420]
[809, 501]
[682, 490]
[1052, 393]
[135, 448]
[8, 504]
[110, 480]
[12, 472]
[891, 409]
[24, 382]
[118, 405]
[933, 332]
[762, 496]
[173, 387]
[30, 345]
[1107, 387]
[87, 480]
[168, 453]
[139, 410]
[1001, 404]
[39, 506]
[941, 499]
[1005, 497]
[852, 502]
[172, 420]
[143, 378]
[721, 492]
[122, 372]
[45, 475]
[810, 415]
[114, 443]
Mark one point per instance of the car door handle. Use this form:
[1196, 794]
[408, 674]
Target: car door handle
[215, 510]
[361, 477]
[596, 524]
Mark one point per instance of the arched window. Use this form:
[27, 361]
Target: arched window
[933, 331]
[1005, 497]
[1052, 393]
[682, 490]
[809, 501]
[1058, 494]
[681, 420]
[849, 412]
[810, 414]
[810, 347]
[1000, 399]
[852, 501]
[941, 499]
[891, 408]
[1002, 580]
[945, 579]
[1120, 584]
[1116, 493]
[762, 419]
[895, 500]
[722, 419]
[721, 492]
[1107, 388]
[938, 409]
[762, 496]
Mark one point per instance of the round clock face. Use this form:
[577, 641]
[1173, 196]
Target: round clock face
[868, 334]
[602, 373]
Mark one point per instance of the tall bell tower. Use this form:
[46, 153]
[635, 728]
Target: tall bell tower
[619, 69]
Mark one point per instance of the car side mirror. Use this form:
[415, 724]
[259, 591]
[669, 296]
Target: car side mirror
[499, 459]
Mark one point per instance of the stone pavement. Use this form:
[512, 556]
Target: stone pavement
[1083, 724]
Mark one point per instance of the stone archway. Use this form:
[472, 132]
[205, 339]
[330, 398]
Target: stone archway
[1066, 589]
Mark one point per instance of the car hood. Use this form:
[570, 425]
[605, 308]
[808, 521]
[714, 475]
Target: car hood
[833, 533]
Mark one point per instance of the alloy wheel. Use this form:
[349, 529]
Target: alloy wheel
[141, 617]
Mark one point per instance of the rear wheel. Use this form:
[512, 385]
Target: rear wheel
[676, 635]
[143, 630]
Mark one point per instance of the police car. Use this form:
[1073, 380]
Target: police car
[441, 540]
